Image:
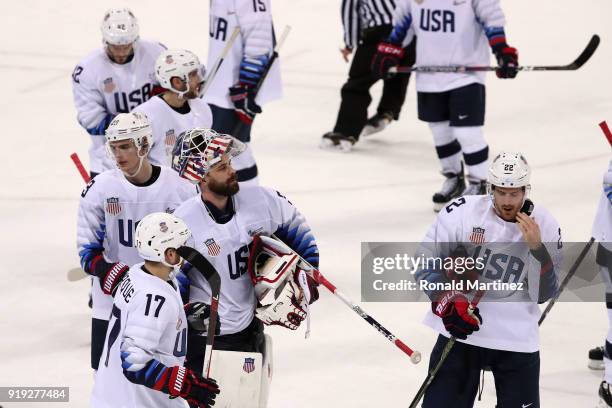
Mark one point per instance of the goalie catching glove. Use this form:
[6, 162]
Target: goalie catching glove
[283, 286]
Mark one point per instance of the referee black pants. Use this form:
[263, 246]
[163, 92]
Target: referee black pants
[353, 113]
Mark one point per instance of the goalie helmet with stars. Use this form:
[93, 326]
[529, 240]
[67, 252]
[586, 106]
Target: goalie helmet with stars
[197, 150]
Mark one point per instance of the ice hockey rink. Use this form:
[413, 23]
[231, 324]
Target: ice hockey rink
[379, 192]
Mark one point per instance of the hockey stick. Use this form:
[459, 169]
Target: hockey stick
[76, 274]
[606, 130]
[414, 355]
[79, 165]
[584, 56]
[264, 74]
[445, 352]
[571, 273]
[219, 61]
[210, 274]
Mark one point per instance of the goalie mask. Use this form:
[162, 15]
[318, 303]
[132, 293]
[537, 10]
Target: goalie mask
[281, 284]
[197, 150]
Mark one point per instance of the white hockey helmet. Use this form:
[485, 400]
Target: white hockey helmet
[130, 126]
[509, 170]
[177, 63]
[197, 150]
[157, 232]
[119, 27]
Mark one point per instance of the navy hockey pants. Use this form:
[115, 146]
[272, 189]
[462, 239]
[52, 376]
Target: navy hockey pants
[516, 376]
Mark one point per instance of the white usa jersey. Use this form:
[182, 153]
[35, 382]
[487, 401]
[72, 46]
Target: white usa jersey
[167, 124]
[258, 210]
[449, 33]
[471, 220]
[101, 87]
[109, 211]
[254, 18]
[148, 314]
[602, 227]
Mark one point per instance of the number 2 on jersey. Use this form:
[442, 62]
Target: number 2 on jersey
[458, 202]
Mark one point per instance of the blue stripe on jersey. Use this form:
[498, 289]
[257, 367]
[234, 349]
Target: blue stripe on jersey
[401, 30]
[496, 35]
[608, 191]
[88, 253]
[298, 236]
[100, 128]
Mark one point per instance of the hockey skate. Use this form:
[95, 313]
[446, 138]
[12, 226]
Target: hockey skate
[596, 358]
[605, 397]
[377, 123]
[453, 187]
[476, 187]
[337, 140]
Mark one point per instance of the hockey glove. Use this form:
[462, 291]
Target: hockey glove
[459, 318]
[110, 274]
[198, 317]
[387, 55]
[288, 310]
[197, 391]
[243, 97]
[100, 128]
[507, 60]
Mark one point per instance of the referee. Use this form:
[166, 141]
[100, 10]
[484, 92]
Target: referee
[366, 23]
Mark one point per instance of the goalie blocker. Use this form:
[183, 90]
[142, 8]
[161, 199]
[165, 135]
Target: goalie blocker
[242, 362]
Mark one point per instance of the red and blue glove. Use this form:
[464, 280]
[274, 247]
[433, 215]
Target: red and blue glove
[460, 319]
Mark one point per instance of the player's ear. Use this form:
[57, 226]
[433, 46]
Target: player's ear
[177, 83]
[172, 257]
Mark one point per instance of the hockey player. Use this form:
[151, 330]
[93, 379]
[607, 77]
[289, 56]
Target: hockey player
[502, 331]
[113, 79]
[179, 108]
[602, 232]
[366, 23]
[232, 96]
[224, 220]
[111, 206]
[452, 34]
[145, 348]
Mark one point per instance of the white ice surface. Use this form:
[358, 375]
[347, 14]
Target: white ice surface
[381, 191]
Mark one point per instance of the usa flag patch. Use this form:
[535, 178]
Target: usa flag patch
[112, 206]
[170, 138]
[478, 235]
[249, 365]
[109, 85]
[213, 248]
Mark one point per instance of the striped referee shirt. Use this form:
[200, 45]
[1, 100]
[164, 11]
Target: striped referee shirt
[358, 15]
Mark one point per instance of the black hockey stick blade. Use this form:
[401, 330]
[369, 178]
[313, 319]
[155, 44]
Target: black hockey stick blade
[587, 53]
[584, 56]
[203, 266]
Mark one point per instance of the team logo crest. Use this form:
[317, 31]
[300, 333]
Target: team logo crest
[163, 227]
[478, 235]
[109, 85]
[213, 248]
[169, 210]
[169, 59]
[249, 365]
[170, 138]
[112, 206]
